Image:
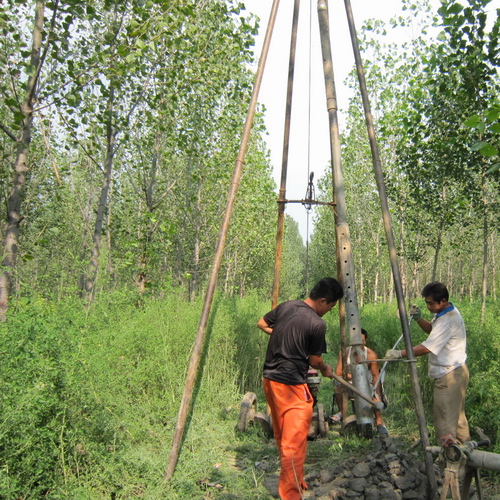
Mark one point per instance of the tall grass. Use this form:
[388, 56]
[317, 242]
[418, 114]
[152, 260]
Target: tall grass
[89, 399]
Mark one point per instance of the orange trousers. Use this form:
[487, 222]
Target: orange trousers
[291, 411]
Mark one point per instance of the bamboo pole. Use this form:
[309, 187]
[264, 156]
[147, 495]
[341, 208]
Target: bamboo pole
[392, 253]
[284, 161]
[200, 337]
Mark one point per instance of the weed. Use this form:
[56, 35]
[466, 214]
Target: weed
[90, 398]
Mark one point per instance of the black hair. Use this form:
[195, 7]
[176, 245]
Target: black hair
[436, 290]
[327, 288]
[365, 333]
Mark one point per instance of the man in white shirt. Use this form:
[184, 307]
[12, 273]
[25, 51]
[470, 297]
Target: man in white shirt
[446, 346]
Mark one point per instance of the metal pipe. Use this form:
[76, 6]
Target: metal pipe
[381, 377]
[476, 458]
[417, 397]
[202, 327]
[341, 227]
[284, 161]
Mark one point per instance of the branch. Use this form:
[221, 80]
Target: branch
[47, 146]
[8, 132]
[38, 60]
[87, 153]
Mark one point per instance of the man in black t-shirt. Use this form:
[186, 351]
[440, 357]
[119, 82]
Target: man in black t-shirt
[297, 341]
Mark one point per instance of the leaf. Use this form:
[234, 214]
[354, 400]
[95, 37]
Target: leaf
[479, 145]
[455, 8]
[493, 113]
[473, 121]
[494, 168]
[495, 128]
[10, 101]
[489, 150]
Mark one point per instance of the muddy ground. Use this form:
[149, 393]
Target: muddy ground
[388, 470]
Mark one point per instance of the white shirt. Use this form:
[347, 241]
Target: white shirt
[446, 342]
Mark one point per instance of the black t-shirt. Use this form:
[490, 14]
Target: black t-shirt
[298, 332]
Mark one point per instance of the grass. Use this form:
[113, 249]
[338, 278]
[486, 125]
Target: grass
[90, 399]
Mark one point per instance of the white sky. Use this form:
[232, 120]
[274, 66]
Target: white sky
[309, 146]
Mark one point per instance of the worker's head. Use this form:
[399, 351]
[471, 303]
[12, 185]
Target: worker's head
[327, 288]
[364, 335]
[436, 296]
[325, 294]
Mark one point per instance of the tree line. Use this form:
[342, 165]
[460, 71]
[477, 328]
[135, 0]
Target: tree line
[120, 123]
[437, 112]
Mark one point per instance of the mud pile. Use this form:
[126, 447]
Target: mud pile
[385, 473]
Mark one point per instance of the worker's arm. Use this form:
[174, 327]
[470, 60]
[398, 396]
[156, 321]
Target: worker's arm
[317, 363]
[425, 325]
[416, 314]
[374, 370]
[338, 368]
[418, 350]
[264, 326]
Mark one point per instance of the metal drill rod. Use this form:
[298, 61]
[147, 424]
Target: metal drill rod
[386, 361]
[376, 404]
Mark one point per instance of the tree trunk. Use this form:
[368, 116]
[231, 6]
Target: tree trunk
[377, 267]
[361, 282]
[461, 293]
[402, 261]
[391, 288]
[493, 269]
[413, 291]
[111, 267]
[485, 246]
[101, 209]
[86, 229]
[142, 277]
[439, 240]
[227, 277]
[471, 278]
[197, 249]
[14, 218]
[196, 266]
[439, 243]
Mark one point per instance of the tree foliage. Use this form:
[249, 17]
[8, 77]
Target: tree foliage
[434, 100]
[137, 123]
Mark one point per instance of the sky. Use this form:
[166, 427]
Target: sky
[309, 136]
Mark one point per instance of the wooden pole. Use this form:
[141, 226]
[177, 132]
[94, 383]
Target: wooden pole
[200, 337]
[392, 253]
[284, 162]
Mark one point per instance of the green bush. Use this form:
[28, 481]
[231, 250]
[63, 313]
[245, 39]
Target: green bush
[90, 397]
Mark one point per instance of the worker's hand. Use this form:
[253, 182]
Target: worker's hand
[415, 312]
[393, 354]
[448, 440]
[327, 371]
